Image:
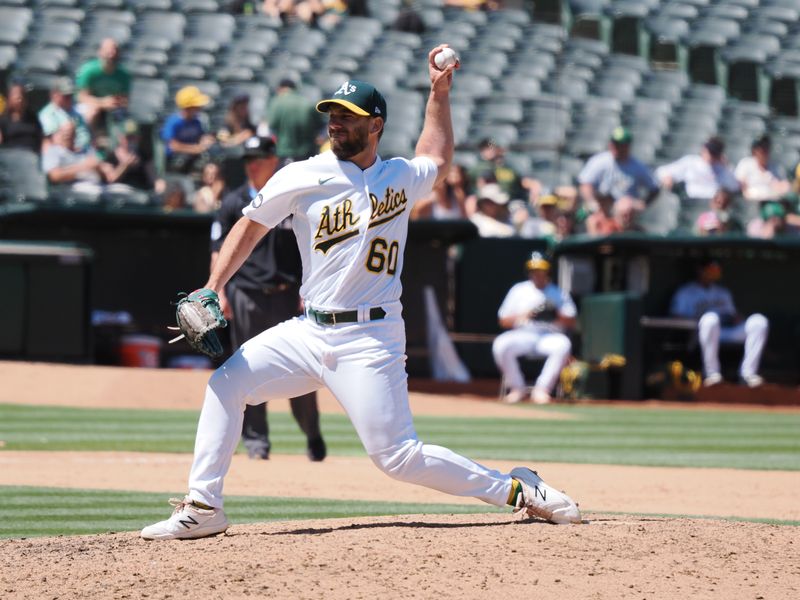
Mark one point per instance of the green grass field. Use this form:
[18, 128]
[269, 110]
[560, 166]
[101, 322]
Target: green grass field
[600, 435]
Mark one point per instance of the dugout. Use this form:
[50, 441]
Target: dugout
[45, 301]
[646, 270]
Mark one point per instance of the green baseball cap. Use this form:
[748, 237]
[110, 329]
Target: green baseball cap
[621, 135]
[359, 97]
[772, 209]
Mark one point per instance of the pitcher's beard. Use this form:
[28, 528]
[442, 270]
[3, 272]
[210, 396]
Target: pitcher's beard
[345, 149]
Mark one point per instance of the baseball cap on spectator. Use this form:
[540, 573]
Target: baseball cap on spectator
[547, 200]
[772, 209]
[259, 147]
[64, 86]
[715, 146]
[240, 98]
[494, 193]
[191, 97]
[621, 135]
[287, 82]
[360, 97]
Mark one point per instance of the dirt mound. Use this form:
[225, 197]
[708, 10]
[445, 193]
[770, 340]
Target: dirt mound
[420, 556]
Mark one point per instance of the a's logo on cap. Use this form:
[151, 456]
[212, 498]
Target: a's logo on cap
[346, 89]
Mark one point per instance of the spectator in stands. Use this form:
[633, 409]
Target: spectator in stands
[491, 217]
[718, 219]
[493, 168]
[617, 174]
[295, 123]
[237, 127]
[61, 109]
[132, 166]
[104, 87]
[174, 196]
[19, 126]
[761, 178]
[702, 175]
[209, 196]
[602, 222]
[448, 200]
[536, 313]
[566, 225]
[718, 321]
[184, 134]
[772, 223]
[63, 163]
[544, 222]
[626, 211]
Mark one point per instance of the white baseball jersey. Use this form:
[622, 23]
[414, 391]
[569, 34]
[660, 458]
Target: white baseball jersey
[351, 224]
[525, 297]
[351, 229]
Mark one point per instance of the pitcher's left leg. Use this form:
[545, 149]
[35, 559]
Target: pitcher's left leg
[378, 408]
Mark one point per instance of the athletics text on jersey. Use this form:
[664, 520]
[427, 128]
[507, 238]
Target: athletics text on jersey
[351, 224]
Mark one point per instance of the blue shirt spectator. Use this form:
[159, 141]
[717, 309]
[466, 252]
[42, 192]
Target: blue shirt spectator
[186, 130]
[616, 173]
[184, 134]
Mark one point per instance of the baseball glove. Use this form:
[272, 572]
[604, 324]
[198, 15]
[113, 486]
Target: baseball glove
[199, 316]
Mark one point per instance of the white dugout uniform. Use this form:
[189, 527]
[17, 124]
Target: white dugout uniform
[351, 226]
[711, 306]
[534, 338]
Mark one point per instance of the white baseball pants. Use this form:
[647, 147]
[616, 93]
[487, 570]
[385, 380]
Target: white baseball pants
[363, 364]
[510, 345]
[753, 333]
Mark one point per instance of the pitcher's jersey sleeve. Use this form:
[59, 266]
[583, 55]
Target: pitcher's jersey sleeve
[423, 176]
[275, 201]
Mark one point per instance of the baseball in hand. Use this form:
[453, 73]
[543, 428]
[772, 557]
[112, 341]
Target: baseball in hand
[446, 58]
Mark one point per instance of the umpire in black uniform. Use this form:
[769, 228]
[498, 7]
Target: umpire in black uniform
[263, 293]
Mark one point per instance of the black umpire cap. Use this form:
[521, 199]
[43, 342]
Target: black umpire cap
[259, 147]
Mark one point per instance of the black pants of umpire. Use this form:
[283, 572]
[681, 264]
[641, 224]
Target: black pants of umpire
[254, 312]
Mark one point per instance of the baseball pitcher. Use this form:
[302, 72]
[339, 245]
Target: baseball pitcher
[350, 213]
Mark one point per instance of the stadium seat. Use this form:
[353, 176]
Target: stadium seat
[782, 86]
[662, 41]
[21, 179]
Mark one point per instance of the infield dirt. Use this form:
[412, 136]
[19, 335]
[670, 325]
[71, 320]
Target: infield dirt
[612, 555]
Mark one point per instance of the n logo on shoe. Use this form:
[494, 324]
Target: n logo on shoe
[540, 492]
[185, 522]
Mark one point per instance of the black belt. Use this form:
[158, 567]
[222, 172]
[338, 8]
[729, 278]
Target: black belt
[274, 288]
[346, 316]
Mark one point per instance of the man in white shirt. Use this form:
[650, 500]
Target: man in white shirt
[536, 313]
[761, 179]
[718, 321]
[492, 218]
[61, 109]
[700, 174]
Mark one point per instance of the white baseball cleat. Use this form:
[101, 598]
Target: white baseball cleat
[188, 521]
[753, 380]
[712, 379]
[541, 500]
[514, 397]
[540, 396]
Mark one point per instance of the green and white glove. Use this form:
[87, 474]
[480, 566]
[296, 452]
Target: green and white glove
[199, 315]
